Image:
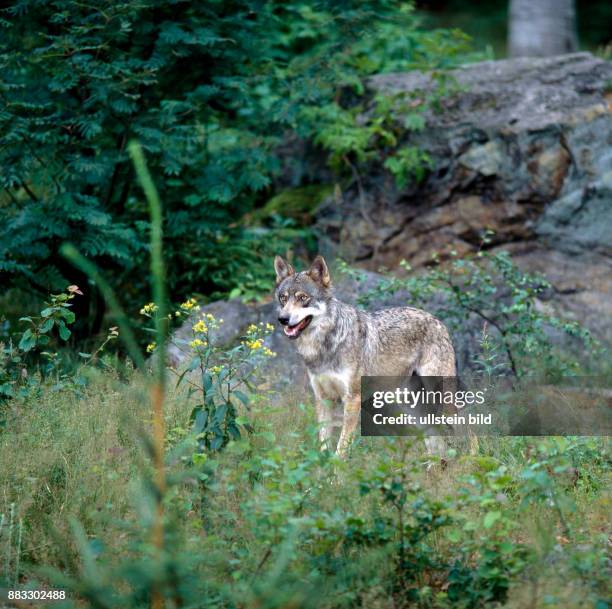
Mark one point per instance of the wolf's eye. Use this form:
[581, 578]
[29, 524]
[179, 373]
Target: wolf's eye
[304, 298]
[283, 298]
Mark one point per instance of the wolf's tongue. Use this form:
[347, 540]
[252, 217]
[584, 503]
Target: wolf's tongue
[292, 330]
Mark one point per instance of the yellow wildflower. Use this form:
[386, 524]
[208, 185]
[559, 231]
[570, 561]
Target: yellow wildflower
[252, 328]
[151, 347]
[200, 327]
[255, 344]
[190, 305]
[148, 309]
[196, 342]
[269, 327]
[216, 369]
[269, 352]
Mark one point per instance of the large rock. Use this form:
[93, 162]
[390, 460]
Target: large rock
[524, 149]
[581, 284]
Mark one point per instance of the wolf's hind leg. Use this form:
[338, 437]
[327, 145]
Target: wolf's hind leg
[352, 409]
[436, 444]
[442, 367]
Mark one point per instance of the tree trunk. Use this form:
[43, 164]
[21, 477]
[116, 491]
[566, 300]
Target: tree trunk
[541, 28]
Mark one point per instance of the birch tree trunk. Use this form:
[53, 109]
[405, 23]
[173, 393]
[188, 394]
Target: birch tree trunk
[541, 28]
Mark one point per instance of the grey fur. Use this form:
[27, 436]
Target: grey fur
[342, 343]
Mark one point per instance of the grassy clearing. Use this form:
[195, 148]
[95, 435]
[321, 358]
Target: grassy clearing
[272, 522]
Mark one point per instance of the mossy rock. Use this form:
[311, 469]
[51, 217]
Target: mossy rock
[299, 204]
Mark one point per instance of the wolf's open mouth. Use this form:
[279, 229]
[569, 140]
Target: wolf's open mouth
[295, 331]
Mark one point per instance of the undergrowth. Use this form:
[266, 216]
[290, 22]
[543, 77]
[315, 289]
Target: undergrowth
[127, 491]
[272, 522]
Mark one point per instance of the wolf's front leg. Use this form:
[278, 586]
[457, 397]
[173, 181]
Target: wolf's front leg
[352, 408]
[325, 421]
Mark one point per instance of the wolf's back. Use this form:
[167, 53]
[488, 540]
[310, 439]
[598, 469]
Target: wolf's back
[404, 334]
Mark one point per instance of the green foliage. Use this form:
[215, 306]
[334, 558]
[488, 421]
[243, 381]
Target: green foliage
[33, 356]
[271, 520]
[489, 287]
[358, 137]
[298, 204]
[217, 376]
[274, 521]
[30, 355]
[239, 266]
[408, 162]
[210, 90]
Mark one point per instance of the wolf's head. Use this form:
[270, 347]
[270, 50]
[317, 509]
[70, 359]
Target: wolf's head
[301, 298]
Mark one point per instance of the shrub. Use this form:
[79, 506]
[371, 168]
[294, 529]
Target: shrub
[516, 336]
[32, 356]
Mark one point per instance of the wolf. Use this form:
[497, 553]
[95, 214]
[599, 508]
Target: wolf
[340, 343]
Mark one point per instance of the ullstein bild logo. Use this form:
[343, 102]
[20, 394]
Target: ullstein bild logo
[443, 406]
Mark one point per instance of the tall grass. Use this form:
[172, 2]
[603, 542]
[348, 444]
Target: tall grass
[161, 332]
[273, 521]
[11, 529]
[158, 379]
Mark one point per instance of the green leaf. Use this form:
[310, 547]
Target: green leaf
[46, 325]
[220, 414]
[491, 518]
[28, 341]
[200, 417]
[453, 535]
[68, 316]
[241, 396]
[6, 389]
[216, 443]
[233, 430]
[64, 332]
[207, 381]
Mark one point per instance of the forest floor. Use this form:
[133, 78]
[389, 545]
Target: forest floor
[525, 522]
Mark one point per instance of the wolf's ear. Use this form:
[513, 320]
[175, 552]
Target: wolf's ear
[283, 269]
[319, 272]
